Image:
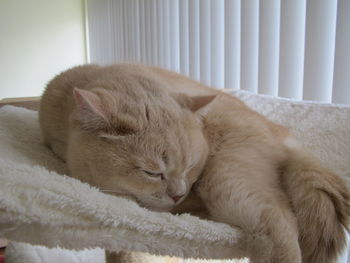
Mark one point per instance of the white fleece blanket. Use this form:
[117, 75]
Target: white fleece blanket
[39, 205]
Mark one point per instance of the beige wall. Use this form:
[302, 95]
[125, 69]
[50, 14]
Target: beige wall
[38, 39]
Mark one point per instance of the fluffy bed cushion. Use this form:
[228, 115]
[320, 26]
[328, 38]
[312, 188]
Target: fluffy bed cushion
[40, 206]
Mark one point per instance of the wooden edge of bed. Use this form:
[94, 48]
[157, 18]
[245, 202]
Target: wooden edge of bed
[31, 103]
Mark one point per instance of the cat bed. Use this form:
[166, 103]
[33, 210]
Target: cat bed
[41, 206]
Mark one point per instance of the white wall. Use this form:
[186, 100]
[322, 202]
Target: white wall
[38, 39]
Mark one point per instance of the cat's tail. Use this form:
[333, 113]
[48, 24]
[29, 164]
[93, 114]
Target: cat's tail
[320, 200]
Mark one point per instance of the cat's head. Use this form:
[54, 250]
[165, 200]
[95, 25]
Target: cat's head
[143, 144]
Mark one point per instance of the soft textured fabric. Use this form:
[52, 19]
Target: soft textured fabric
[25, 253]
[323, 128]
[40, 206]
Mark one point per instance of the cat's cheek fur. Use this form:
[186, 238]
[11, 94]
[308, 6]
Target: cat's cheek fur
[96, 164]
[99, 165]
[90, 162]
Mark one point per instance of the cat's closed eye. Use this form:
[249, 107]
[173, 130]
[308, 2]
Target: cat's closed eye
[154, 175]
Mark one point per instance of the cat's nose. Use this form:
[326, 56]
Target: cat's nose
[176, 197]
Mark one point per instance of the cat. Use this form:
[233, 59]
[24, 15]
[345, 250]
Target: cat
[255, 175]
[124, 134]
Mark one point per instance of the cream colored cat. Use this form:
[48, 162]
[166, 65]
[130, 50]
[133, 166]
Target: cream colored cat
[124, 134]
[256, 177]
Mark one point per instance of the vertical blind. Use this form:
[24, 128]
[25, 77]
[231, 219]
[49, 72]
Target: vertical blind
[291, 48]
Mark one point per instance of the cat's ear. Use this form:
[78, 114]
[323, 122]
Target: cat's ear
[198, 104]
[201, 104]
[95, 114]
[89, 106]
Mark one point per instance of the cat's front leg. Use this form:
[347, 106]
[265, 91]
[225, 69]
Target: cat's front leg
[246, 198]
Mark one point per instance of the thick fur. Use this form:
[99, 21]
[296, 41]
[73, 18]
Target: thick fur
[320, 201]
[121, 132]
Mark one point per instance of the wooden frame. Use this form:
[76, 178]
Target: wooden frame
[28, 102]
